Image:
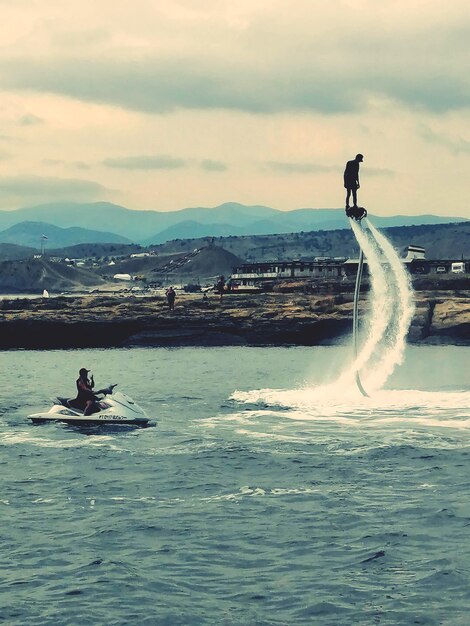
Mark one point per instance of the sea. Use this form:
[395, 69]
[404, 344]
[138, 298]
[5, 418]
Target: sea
[265, 493]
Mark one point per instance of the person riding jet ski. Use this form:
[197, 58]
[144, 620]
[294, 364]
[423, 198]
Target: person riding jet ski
[86, 399]
[112, 408]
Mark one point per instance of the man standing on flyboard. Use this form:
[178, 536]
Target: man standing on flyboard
[351, 184]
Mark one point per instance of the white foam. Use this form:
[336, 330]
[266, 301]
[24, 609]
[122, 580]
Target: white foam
[381, 302]
[404, 307]
[25, 437]
[449, 409]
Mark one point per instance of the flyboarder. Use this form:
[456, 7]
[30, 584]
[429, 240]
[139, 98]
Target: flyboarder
[351, 184]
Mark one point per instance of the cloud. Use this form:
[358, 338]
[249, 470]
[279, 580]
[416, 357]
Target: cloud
[162, 162]
[299, 168]
[273, 89]
[41, 189]
[151, 162]
[456, 145]
[159, 86]
[213, 166]
[277, 63]
[30, 120]
[375, 171]
[80, 165]
[315, 168]
[52, 161]
[79, 38]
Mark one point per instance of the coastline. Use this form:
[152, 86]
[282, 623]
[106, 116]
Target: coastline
[268, 319]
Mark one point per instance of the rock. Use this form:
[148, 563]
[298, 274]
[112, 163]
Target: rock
[419, 327]
[261, 319]
[451, 318]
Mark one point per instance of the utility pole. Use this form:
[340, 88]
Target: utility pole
[43, 244]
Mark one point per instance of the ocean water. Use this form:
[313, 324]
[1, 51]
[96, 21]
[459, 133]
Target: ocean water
[267, 493]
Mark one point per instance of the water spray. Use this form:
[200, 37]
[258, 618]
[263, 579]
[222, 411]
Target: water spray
[380, 344]
[401, 282]
[392, 306]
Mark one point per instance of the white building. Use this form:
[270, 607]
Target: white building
[414, 252]
[122, 277]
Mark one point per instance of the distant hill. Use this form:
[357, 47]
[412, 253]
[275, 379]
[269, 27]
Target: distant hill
[230, 218]
[300, 220]
[212, 261]
[204, 263]
[192, 229]
[34, 275]
[134, 225]
[189, 260]
[10, 251]
[93, 216]
[441, 241]
[31, 234]
[143, 266]
[98, 250]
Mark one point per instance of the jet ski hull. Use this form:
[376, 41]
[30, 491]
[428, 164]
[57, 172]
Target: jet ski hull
[87, 420]
[117, 409]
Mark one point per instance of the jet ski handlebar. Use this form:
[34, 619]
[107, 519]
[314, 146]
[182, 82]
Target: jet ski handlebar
[107, 391]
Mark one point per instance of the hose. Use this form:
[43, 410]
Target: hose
[357, 290]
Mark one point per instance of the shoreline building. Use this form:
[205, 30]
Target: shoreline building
[262, 276]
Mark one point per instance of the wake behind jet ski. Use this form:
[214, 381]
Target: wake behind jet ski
[110, 408]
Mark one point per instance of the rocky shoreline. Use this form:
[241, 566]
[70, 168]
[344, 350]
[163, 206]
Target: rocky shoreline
[256, 320]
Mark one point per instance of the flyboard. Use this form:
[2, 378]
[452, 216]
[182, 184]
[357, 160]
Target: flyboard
[357, 213]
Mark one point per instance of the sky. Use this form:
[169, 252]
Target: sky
[169, 104]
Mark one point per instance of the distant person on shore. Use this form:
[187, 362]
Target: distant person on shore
[351, 179]
[85, 399]
[220, 287]
[170, 297]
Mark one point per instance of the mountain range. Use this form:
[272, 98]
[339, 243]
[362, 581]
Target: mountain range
[71, 223]
[31, 234]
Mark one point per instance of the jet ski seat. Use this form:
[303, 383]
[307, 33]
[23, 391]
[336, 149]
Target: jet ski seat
[69, 403]
[73, 404]
[63, 401]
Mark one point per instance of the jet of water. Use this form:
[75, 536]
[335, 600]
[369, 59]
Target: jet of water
[400, 283]
[385, 329]
[391, 310]
[381, 303]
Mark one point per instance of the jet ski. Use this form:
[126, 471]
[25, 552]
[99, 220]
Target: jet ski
[111, 408]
